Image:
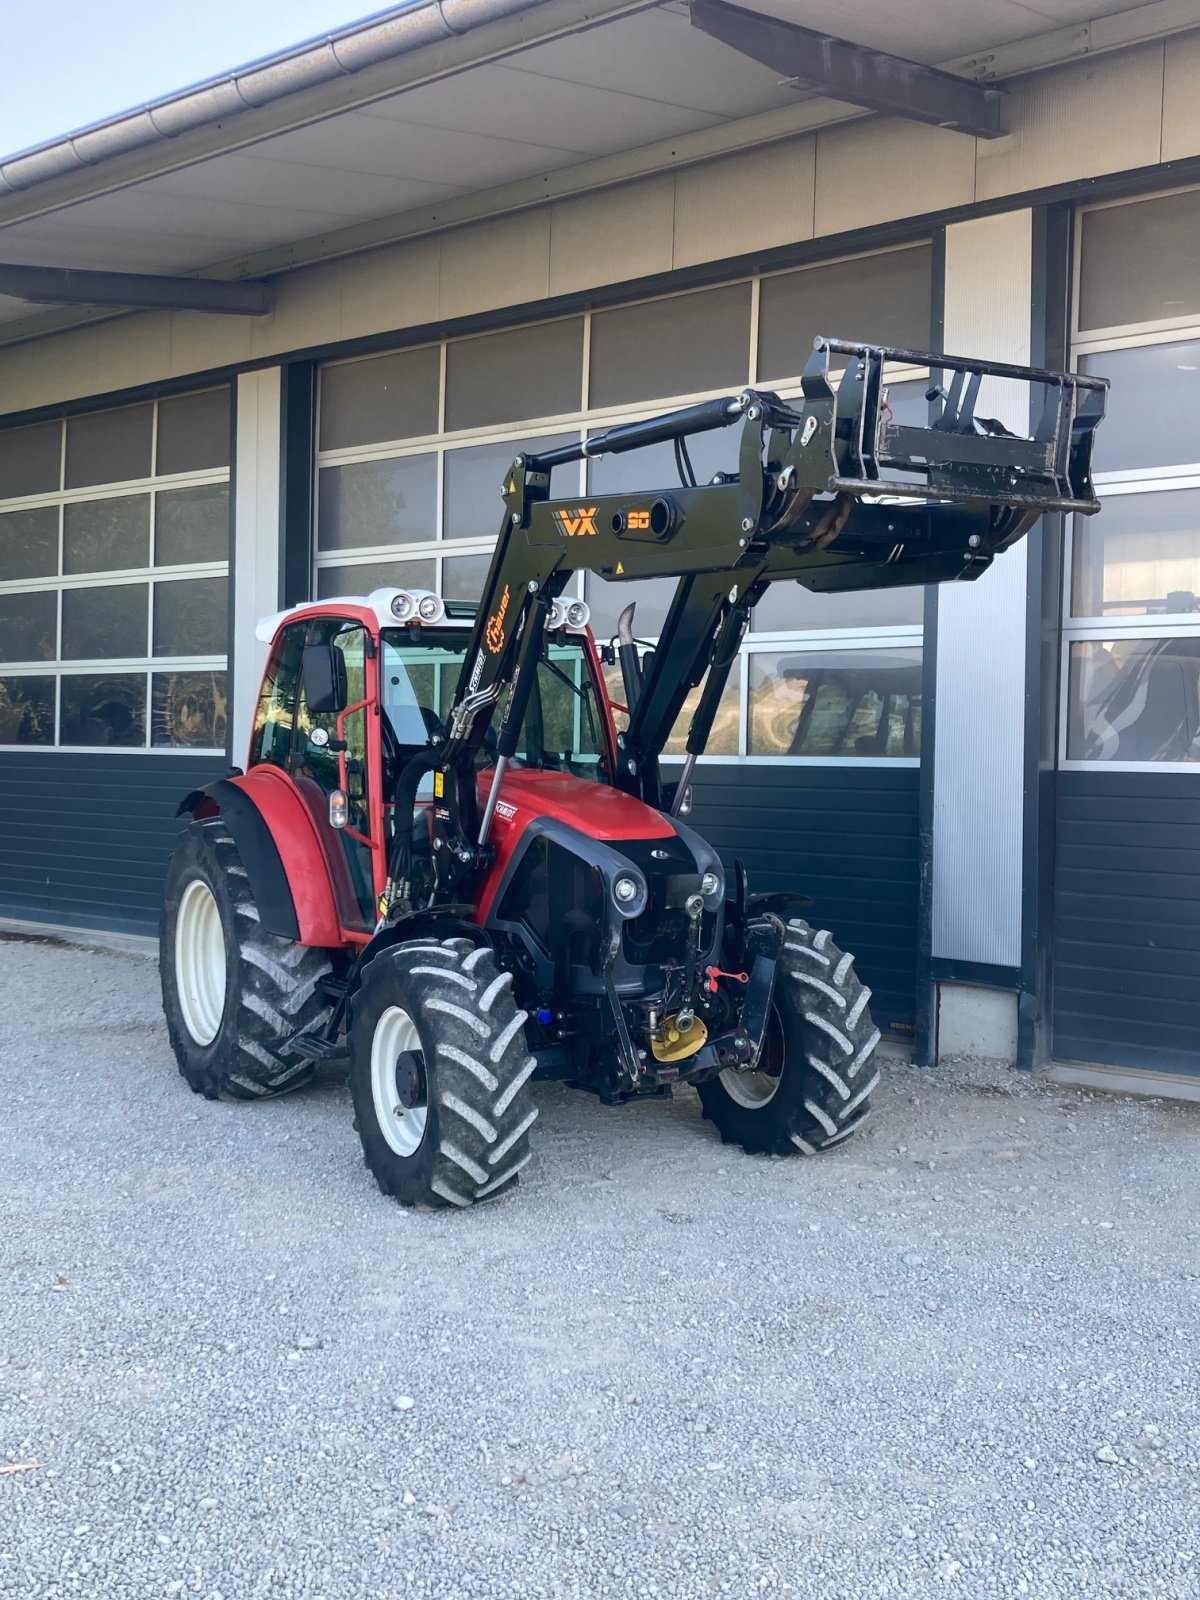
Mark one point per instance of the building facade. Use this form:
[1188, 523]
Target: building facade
[990, 793]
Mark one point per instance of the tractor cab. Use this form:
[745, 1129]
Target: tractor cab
[356, 687]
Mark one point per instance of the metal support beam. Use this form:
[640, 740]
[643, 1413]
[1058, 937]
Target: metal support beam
[72, 286]
[814, 61]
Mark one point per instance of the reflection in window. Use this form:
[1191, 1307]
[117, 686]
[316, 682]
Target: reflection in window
[103, 709]
[191, 617]
[1150, 420]
[463, 577]
[191, 525]
[885, 298]
[109, 446]
[844, 703]
[361, 578]
[723, 738]
[496, 379]
[29, 543]
[106, 535]
[392, 501]
[194, 432]
[26, 711]
[1134, 700]
[682, 344]
[109, 620]
[392, 396]
[189, 710]
[472, 505]
[1138, 556]
[28, 621]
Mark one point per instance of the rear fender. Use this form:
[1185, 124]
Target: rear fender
[279, 847]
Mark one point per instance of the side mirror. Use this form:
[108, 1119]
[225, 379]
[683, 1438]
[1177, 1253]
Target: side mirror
[323, 678]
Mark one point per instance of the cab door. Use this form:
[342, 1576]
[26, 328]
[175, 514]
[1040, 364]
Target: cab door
[329, 752]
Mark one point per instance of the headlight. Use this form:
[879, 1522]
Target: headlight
[709, 884]
[578, 613]
[557, 617]
[402, 606]
[625, 890]
[430, 608]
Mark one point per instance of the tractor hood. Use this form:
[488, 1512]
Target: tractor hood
[594, 808]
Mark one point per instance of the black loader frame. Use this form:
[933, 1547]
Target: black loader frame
[833, 493]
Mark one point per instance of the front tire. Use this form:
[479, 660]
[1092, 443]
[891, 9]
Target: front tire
[233, 994]
[439, 1073]
[815, 1080]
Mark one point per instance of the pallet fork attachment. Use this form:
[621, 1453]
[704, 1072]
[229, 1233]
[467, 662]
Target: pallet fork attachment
[831, 492]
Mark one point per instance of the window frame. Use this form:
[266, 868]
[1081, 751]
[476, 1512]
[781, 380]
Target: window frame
[146, 664]
[1120, 482]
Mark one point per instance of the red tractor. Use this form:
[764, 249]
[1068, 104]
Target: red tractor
[446, 865]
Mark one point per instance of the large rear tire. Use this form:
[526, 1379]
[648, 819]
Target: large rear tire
[815, 1080]
[439, 1072]
[233, 994]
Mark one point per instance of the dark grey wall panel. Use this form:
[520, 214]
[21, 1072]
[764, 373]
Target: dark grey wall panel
[845, 835]
[1127, 920]
[85, 839]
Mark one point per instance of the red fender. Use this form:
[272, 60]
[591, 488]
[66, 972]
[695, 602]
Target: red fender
[304, 862]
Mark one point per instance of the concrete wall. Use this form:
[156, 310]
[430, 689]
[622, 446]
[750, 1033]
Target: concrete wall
[809, 186]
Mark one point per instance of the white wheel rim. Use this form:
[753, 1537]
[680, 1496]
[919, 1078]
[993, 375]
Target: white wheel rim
[753, 1090]
[200, 962]
[402, 1126]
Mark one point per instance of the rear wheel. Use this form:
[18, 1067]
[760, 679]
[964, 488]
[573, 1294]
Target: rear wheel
[814, 1081]
[233, 994]
[439, 1072]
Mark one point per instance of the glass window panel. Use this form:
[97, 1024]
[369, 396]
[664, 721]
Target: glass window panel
[1152, 405]
[384, 397]
[788, 607]
[360, 579]
[463, 577]
[107, 535]
[680, 345]
[1134, 700]
[524, 372]
[109, 620]
[723, 739]
[652, 597]
[194, 432]
[29, 543]
[28, 624]
[191, 617]
[1138, 261]
[30, 460]
[393, 501]
[842, 703]
[1138, 556]
[884, 299]
[109, 446]
[26, 710]
[191, 525]
[471, 503]
[103, 709]
[189, 710]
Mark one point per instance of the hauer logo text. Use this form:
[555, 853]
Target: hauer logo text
[577, 524]
[495, 625]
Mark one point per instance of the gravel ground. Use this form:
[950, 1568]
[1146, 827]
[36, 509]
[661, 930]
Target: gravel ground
[956, 1356]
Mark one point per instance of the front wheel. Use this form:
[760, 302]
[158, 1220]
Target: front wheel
[439, 1073]
[814, 1079]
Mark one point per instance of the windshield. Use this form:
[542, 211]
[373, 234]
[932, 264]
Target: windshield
[563, 727]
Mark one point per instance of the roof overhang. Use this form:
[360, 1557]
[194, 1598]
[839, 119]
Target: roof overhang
[444, 112]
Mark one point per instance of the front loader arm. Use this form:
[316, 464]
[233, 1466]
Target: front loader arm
[832, 493]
